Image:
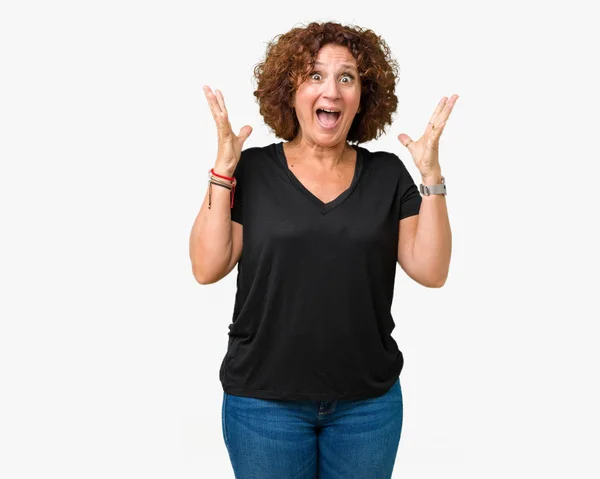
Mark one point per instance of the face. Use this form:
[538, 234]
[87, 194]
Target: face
[334, 84]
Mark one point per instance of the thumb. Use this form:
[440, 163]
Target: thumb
[405, 140]
[245, 133]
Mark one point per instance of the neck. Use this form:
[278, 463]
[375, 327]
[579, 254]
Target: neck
[326, 157]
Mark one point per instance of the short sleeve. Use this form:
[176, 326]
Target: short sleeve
[409, 195]
[237, 212]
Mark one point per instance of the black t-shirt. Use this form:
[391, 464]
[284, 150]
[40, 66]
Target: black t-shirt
[315, 281]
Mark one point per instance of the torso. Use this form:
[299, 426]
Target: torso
[316, 282]
[325, 186]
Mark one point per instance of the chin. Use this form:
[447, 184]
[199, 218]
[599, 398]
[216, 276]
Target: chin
[329, 140]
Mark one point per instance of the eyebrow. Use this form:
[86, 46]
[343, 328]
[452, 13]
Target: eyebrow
[347, 65]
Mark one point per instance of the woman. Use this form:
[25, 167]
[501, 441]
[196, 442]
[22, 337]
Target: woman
[311, 374]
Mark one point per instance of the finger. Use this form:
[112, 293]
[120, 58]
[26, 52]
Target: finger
[221, 101]
[445, 113]
[434, 137]
[438, 109]
[405, 140]
[223, 126]
[244, 133]
[439, 129]
[212, 101]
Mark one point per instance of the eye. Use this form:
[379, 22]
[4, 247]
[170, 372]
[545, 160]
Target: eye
[318, 77]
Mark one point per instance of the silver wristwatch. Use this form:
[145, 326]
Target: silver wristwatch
[433, 189]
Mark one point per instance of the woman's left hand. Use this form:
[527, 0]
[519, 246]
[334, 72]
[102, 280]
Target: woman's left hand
[425, 150]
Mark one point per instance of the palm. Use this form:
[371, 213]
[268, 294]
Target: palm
[230, 144]
[424, 151]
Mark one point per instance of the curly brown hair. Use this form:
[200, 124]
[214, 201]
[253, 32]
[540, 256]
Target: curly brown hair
[290, 58]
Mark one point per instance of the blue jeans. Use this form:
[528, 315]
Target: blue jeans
[340, 439]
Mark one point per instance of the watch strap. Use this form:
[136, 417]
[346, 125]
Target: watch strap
[427, 190]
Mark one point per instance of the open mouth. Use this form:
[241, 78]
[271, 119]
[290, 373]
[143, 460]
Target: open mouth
[328, 119]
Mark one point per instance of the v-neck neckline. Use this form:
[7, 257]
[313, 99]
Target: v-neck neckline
[323, 207]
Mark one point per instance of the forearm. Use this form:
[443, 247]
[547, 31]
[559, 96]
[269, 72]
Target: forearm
[211, 236]
[433, 238]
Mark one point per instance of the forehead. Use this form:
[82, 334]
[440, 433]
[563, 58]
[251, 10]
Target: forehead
[335, 54]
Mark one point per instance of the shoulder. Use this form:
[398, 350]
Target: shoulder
[384, 161]
[256, 158]
[258, 155]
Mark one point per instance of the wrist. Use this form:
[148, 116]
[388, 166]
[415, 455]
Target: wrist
[224, 170]
[432, 178]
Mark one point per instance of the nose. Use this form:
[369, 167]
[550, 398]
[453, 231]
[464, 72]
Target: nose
[331, 88]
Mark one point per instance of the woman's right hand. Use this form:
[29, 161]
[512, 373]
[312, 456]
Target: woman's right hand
[230, 145]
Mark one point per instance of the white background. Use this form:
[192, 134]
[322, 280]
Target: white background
[109, 349]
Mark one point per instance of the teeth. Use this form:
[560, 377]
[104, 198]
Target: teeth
[330, 111]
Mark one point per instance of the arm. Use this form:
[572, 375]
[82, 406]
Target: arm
[215, 240]
[425, 242]
[425, 245]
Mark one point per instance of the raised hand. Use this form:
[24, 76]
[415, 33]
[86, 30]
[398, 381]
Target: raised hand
[230, 145]
[424, 151]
